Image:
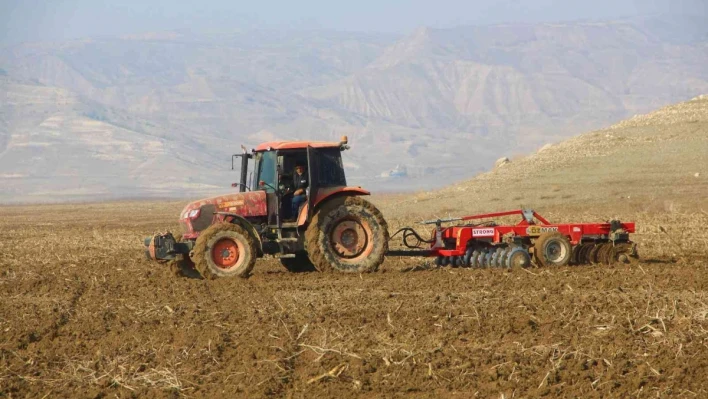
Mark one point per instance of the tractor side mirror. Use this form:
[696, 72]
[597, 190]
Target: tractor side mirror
[234, 184]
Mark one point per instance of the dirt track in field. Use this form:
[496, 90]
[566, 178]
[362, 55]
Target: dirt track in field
[84, 315]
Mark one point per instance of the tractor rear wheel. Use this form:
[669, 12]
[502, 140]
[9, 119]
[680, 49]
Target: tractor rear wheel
[300, 263]
[347, 234]
[552, 249]
[224, 250]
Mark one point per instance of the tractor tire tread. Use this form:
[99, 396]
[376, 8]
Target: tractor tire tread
[201, 250]
[316, 240]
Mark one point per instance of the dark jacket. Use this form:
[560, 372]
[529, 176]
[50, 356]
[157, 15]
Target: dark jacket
[299, 181]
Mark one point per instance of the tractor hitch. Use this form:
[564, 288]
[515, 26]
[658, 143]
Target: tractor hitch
[165, 247]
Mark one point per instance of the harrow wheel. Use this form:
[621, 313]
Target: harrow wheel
[552, 249]
[224, 250]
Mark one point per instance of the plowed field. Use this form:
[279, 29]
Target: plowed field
[83, 314]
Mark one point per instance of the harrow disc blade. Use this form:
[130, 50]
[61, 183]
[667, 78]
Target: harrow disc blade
[496, 257]
[592, 255]
[583, 258]
[475, 258]
[624, 252]
[574, 260]
[466, 259]
[604, 254]
[501, 259]
[518, 257]
[479, 260]
[487, 258]
[455, 261]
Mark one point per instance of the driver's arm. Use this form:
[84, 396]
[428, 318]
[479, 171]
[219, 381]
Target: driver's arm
[301, 183]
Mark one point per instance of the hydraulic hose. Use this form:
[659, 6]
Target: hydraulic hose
[409, 233]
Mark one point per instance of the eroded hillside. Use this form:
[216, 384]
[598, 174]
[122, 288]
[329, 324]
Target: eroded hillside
[437, 106]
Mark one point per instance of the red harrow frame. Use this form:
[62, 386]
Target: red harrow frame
[533, 239]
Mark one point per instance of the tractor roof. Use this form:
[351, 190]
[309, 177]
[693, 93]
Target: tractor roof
[295, 145]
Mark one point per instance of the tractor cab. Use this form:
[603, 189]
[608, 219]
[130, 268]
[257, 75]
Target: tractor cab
[274, 173]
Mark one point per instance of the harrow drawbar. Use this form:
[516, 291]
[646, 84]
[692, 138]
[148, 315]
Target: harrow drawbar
[534, 240]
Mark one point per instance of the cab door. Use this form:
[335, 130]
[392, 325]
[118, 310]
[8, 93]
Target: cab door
[268, 173]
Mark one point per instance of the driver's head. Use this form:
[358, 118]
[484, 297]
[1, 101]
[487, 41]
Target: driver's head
[299, 169]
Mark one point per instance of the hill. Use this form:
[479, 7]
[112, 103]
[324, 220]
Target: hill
[101, 117]
[660, 156]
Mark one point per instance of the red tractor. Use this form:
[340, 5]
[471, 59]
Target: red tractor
[333, 229]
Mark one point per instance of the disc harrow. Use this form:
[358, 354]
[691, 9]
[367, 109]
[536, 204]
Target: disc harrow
[534, 240]
[604, 253]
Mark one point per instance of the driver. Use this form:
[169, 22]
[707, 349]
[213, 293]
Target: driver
[299, 185]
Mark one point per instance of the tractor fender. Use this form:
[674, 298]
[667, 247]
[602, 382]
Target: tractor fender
[328, 193]
[248, 226]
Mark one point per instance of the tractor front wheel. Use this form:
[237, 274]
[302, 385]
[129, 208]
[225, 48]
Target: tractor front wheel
[347, 234]
[224, 250]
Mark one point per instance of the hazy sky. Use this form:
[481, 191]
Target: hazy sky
[38, 20]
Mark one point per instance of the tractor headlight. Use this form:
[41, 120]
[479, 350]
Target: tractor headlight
[193, 214]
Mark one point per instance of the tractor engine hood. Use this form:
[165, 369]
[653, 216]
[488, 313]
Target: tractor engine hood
[200, 214]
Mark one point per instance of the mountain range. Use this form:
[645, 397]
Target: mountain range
[159, 114]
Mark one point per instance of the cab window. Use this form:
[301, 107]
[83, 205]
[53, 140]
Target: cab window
[266, 170]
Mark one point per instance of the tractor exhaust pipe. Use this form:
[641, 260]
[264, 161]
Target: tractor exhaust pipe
[244, 171]
[242, 185]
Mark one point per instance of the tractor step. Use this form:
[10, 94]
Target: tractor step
[288, 239]
[281, 256]
[288, 225]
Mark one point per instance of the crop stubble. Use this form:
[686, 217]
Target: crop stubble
[84, 315]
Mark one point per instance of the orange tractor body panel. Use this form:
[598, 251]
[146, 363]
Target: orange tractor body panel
[195, 218]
